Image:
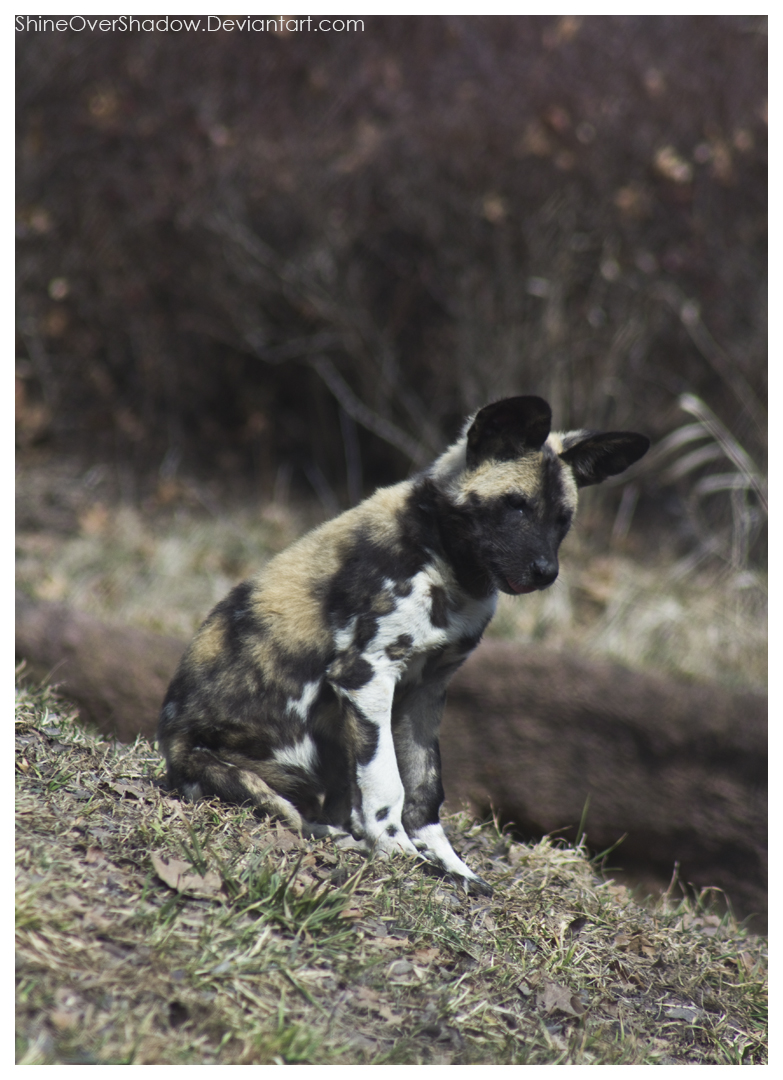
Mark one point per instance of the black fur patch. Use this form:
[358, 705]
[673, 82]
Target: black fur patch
[400, 648]
[365, 567]
[423, 807]
[238, 617]
[336, 771]
[468, 642]
[350, 670]
[439, 607]
[458, 530]
[366, 738]
[505, 430]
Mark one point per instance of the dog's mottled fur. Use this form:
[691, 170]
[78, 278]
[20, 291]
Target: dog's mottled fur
[315, 690]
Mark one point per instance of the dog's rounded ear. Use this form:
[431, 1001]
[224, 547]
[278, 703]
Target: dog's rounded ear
[604, 454]
[507, 429]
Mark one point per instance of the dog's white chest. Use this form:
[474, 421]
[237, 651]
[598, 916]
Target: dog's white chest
[431, 619]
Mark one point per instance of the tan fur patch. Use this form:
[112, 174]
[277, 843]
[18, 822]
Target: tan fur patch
[290, 586]
[209, 643]
[178, 749]
[570, 489]
[381, 512]
[287, 591]
[555, 441]
[267, 799]
[494, 479]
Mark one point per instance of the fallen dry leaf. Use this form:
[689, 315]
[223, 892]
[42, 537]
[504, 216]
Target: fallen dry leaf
[63, 1020]
[367, 997]
[303, 882]
[401, 971]
[135, 791]
[180, 875]
[747, 962]
[96, 920]
[389, 1016]
[689, 1014]
[371, 1000]
[285, 840]
[425, 956]
[637, 944]
[556, 998]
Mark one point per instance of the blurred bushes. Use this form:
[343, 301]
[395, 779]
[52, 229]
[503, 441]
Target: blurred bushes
[309, 255]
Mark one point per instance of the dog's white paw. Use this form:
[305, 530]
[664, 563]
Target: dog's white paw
[397, 844]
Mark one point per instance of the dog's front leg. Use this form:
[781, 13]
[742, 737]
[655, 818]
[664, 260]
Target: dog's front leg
[416, 720]
[376, 816]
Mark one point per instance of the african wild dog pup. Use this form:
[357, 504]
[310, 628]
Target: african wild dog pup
[315, 690]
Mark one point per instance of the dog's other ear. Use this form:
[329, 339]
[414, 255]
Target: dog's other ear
[506, 429]
[603, 454]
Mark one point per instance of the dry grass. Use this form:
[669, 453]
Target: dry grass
[710, 625]
[266, 948]
[164, 565]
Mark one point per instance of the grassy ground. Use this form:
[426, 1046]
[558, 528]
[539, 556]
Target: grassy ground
[150, 930]
[163, 561]
[154, 931]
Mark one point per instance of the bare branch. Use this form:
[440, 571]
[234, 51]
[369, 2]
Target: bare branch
[363, 415]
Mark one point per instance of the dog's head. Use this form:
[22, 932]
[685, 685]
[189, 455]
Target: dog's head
[519, 486]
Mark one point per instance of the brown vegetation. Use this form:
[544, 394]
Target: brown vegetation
[314, 258]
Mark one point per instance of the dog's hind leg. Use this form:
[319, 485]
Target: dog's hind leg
[200, 773]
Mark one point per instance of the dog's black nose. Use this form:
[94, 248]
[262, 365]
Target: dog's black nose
[543, 571]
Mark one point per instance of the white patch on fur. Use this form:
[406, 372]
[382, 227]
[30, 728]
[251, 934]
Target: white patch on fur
[381, 787]
[192, 792]
[379, 779]
[374, 699]
[303, 754]
[343, 639]
[432, 842]
[412, 618]
[301, 707]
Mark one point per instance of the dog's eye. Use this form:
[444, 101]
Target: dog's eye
[517, 502]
